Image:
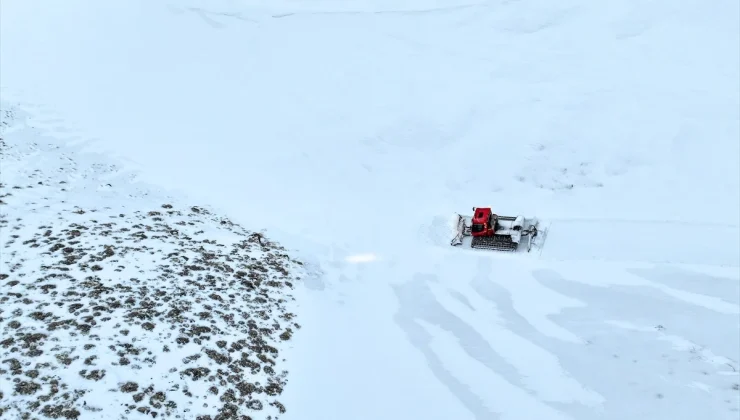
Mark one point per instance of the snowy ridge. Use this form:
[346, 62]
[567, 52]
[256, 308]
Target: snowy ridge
[112, 312]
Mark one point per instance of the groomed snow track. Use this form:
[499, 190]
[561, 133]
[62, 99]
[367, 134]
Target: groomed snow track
[649, 241]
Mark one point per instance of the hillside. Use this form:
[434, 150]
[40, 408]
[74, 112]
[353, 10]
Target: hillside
[351, 133]
[116, 302]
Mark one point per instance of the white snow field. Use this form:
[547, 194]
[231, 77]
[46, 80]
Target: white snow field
[353, 131]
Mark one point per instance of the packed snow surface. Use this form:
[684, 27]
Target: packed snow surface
[352, 132]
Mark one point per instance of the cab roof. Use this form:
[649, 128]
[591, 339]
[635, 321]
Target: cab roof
[481, 214]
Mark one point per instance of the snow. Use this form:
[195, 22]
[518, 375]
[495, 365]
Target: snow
[644, 241]
[352, 132]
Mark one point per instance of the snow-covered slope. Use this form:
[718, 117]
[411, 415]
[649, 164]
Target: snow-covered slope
[353, 131]
[117, 303]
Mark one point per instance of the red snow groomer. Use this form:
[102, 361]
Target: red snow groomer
[491, 231]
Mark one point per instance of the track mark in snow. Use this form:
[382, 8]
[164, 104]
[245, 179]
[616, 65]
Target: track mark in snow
[709, 302]
[531, 299]
[639, 367]
[537, 369]
[461, 298]
[698, 352]
[634, 277]
[724, 289]
[519, 368]
[507, 401]
[208, 15]
[208, 20]
[420, 11]
[535, 19]
[418, 303]
[256, 15]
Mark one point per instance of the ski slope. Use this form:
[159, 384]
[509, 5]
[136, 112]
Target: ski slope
[354, 131]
